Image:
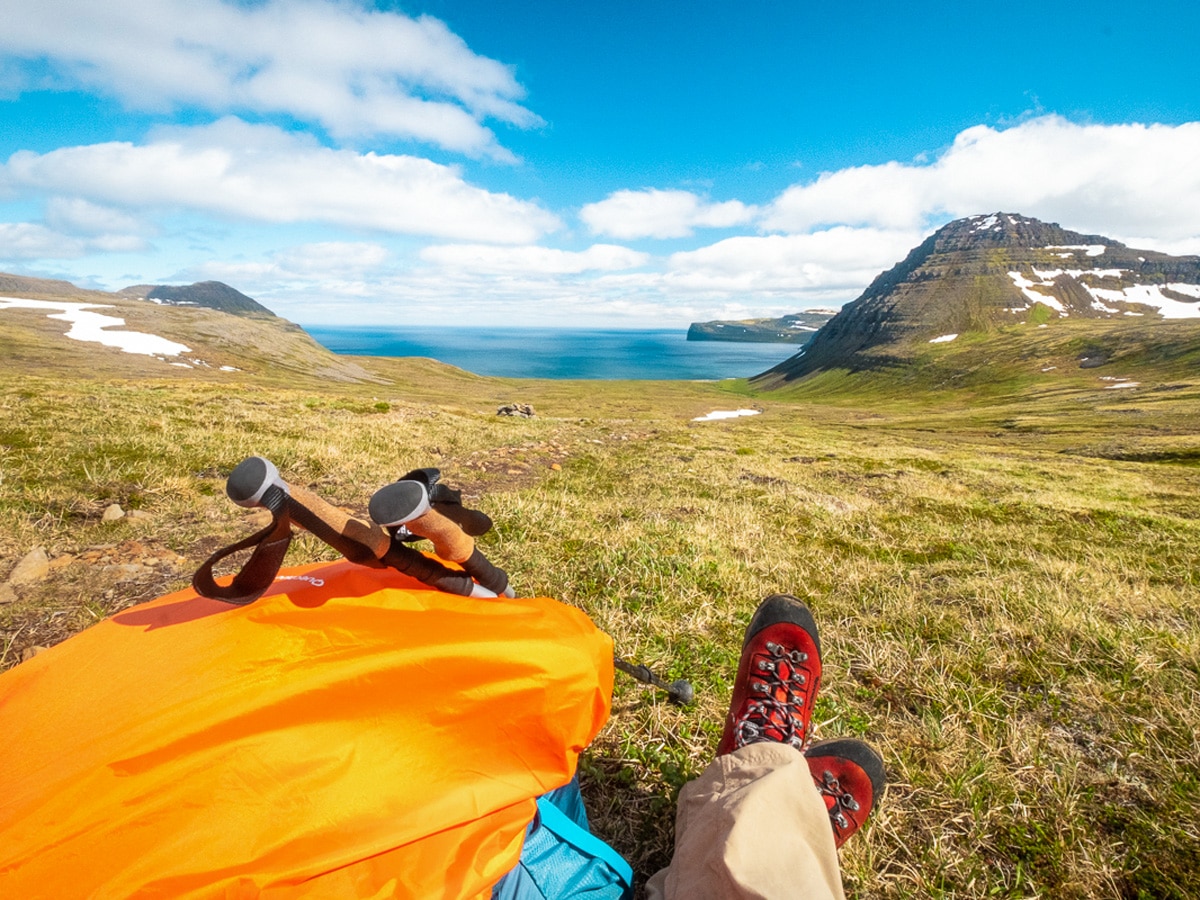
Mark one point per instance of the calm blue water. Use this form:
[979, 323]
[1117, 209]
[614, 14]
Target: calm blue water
[561, 353]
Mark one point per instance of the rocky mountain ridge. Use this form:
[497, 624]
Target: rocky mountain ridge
[989, 271]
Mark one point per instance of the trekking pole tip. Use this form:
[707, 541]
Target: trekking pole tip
[681, 692]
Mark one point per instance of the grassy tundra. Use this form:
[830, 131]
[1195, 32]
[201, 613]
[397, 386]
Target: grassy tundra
[1006, 574]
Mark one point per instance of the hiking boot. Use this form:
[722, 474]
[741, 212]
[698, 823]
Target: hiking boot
[849, 776]
[777, 679]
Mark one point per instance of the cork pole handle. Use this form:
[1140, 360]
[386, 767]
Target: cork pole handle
[449, 540]
[372, 537]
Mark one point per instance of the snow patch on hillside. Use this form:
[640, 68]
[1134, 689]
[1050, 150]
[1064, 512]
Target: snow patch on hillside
[97, 328]
[1118, 382]
[944, 339]
[1145, 294]
[1027, 288]
[726, 414]
[1151, 295]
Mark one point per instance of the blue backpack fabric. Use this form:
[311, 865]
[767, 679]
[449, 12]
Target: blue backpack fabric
[562, 859]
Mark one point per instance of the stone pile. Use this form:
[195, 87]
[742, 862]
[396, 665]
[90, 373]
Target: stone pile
[521, 410]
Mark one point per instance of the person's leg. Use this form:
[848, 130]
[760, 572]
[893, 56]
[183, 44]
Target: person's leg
[765, 818]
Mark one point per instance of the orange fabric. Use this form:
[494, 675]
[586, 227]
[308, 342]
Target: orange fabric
[351, 734]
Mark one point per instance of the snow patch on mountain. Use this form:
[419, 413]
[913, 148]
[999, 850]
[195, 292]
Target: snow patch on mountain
[97, 328]
[1151, 295]
[1143, 294]
[1049, 275]
[1027, 288]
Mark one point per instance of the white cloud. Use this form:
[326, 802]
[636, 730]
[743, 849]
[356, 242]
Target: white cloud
[338, 259]
[356, 72]
[628, 215]
[1109, 179]
[262, 173]
[73, 215]
[28, 240]
[615, 286]
[532, 260]
[489, 266]
[450, 284]
[31, 240]
[1182, 247]
[838, 262]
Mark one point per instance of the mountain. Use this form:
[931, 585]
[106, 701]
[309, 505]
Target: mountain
[796, 328]
[23, 284]
[122, 335]
[984, 273]
[208, 294]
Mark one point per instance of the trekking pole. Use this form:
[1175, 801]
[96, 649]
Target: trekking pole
[256, 482]
[679, 692]
[408, 503]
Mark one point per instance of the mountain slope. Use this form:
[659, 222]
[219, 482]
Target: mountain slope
[985, 272]
[60, 330]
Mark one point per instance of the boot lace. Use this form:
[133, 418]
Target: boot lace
[781, 690]
[837, 801]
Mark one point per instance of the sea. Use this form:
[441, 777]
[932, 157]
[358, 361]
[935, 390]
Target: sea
[657, 354]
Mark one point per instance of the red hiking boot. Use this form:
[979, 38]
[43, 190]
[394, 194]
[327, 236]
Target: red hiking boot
[777, 679]
[849, 775]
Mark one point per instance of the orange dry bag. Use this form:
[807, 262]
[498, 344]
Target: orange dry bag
[351, 734]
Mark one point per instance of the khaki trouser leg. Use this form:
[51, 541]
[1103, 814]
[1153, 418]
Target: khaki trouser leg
[751, 826]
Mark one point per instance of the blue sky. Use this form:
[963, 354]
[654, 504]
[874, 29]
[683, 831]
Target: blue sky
[610, 164]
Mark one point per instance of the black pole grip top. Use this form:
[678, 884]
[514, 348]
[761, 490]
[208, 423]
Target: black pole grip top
[248, 482]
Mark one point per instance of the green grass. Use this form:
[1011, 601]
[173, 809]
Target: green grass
[1006, 574]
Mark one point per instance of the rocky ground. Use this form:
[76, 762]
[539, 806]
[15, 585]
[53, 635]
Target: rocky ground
[107, 577]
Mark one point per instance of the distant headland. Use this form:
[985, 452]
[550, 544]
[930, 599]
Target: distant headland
[795, 328]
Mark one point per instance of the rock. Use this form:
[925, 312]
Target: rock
[521, 410]
[127, 571]
[32, 568]
[113, 513]
[30, 652]
[7, 594]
